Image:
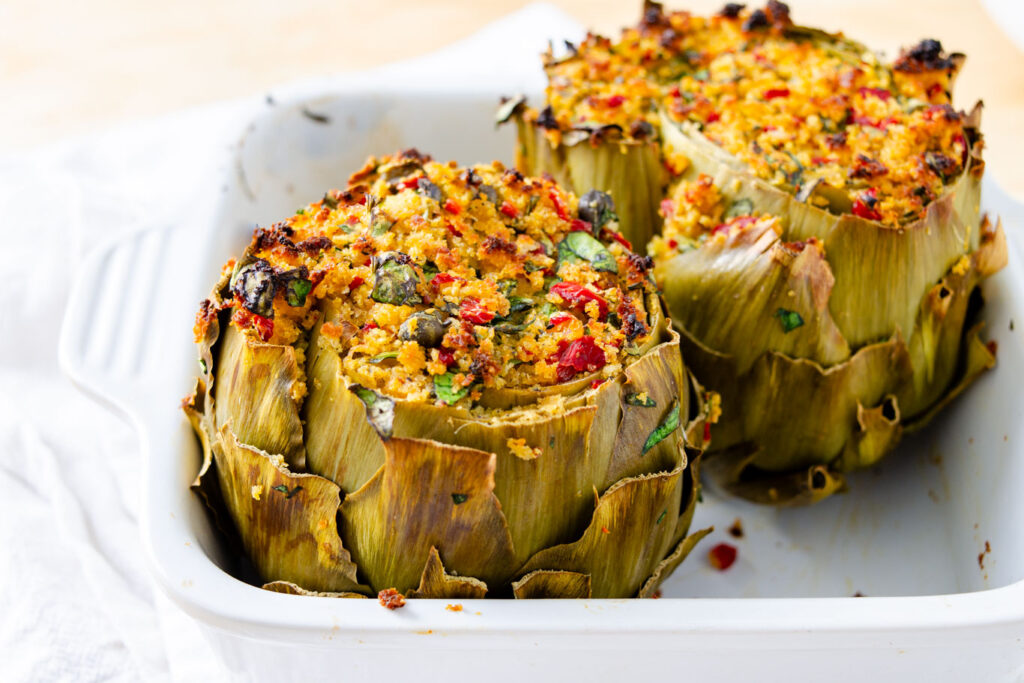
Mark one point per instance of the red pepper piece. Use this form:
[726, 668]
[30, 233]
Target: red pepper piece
[615, 100]
[411, 182]
[452, 207]
[452, 229]
[443, 279]
[579, 226]
[559, 318]
[722, 556]
[880, 93]
[582, 355]
[864, 205]
[446, 356]
[712, 117]
[264, 327]
[560, 208]
[772, 93]
[620, 239]
[578, 296]
[356, 281]
[509, 210]
[473, 311]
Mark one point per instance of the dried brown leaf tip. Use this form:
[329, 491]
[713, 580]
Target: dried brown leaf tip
[391, 598]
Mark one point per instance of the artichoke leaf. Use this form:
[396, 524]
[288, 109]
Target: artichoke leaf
[287, 522]
[733, 470]
[880, 431]
[427, 494]
[635, 518]
[977, 358]
[552, 584]
[740, 291]
[256, 389]
[289, 588]
[799, 413]
[672, 562]
[938, 344]
[548, 497]
[657, 376]
[436, 583]
[341, 444]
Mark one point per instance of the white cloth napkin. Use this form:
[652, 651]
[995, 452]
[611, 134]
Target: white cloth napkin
[76, 602]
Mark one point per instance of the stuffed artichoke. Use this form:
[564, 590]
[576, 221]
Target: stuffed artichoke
[443, 381]
[822, 240]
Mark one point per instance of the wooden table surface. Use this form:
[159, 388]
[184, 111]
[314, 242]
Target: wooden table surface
[69, 67]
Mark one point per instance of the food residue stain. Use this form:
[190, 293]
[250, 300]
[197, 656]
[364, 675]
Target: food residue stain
[736, 530]
[453, 608]
[982, 554]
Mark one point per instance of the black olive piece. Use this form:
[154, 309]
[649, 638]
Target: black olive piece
[426, 328]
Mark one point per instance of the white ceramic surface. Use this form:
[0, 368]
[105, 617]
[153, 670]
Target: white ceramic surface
[908, 535]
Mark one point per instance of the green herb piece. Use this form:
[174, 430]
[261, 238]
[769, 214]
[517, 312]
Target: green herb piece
[517, 304]
[459, 498]
[661, 516]
[330, 202]
[202, 366]
[296, 291]
[634, 399]
[384, 356]
[701, 74]
[284, 489]
[380, 410]
[430, 269]
[740, 207]
[395, 281]
[669, 424]
[444, 390]
[580, 245]
[532, 204]
[380, 226]
[790, 319]
[300, 212]
[506, 287]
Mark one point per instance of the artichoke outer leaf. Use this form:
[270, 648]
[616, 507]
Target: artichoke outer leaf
[939, 345]
[552, 584]
[879, 432]
[391, 523]
[255, 391]
[545, 499]
[660, 375]
[779, 406]
[289, 588]
[436, 583]
[750, 264]
[341, 444]
[802, 486]
[672, 562]
[977, 358]
[635, 518]
[287, 522]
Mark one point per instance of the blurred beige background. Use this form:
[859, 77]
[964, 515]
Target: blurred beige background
[68, 68]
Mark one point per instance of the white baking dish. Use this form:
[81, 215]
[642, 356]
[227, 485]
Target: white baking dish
[908, 535]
